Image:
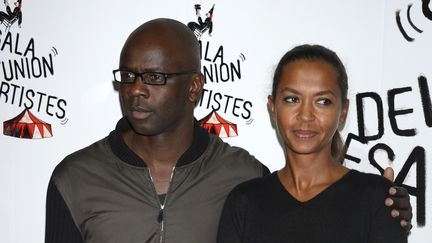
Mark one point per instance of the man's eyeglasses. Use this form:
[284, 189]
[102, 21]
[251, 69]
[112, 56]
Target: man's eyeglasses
[151, 78]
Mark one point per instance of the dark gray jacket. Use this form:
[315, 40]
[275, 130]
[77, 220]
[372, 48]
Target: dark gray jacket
[111, 198]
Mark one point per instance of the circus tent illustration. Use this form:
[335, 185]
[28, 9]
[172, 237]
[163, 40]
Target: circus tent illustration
[27, 125]
[215, 124]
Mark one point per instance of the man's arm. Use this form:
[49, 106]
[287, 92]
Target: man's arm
[59, 226]
[399, 201]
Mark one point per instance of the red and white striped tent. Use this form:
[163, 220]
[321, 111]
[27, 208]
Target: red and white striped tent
[26, 125]
[215, 124]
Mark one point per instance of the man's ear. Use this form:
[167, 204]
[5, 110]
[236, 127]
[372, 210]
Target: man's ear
[271, 106]
[196, 87]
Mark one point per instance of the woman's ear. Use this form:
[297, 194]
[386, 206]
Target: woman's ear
[344, 113]
[196, 87]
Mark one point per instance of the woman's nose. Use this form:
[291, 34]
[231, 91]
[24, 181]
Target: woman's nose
[306, 112]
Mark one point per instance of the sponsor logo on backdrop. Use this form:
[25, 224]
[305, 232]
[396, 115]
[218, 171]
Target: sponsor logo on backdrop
[215, 124]
[21, 65]
[27, 125]
[411, 25]
[219, 73]
[417, 156]
[200, 27]
[11, 17]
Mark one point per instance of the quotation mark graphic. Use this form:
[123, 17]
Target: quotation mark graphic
[426, 12]
[242, 57]
[54, 51]
[64, 121]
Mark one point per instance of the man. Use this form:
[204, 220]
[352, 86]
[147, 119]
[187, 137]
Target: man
[158, 177]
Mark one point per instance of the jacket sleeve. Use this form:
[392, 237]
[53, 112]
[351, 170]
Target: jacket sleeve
[266, 170]
[59, 225]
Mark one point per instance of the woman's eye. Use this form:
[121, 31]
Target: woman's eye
[291, 99]
[324, 101]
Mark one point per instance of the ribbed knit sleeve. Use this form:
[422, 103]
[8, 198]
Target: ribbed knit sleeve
[266, 170]
[59, 225]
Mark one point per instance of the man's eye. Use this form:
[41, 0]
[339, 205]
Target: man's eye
[291, 99]
[154, 78]
[128, 76]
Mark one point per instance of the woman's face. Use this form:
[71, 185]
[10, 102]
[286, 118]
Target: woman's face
[308, 108]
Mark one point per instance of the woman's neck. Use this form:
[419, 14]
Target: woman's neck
[305, 176]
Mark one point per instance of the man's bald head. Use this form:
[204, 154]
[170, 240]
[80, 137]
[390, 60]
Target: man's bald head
[173, 37]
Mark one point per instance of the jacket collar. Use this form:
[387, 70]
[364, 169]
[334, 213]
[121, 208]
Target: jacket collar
[123, 152]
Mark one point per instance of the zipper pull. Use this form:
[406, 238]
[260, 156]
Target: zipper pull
[160, 216]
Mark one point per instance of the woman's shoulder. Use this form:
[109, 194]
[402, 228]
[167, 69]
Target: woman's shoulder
[369, 181]
[257, 186]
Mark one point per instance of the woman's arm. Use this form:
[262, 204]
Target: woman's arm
[231, 224]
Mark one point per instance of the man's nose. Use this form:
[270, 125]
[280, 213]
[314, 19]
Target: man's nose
[140, 88]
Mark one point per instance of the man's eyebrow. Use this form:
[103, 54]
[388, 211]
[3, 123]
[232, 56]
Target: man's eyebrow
[125, 68]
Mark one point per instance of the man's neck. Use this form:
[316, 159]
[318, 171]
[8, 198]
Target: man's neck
[162, 150]
[123, 151]
[160, 153]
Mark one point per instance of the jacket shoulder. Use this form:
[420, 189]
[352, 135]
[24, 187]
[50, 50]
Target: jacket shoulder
[233, 157]
[82, 157]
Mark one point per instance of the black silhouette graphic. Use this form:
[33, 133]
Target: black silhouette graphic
[426, 12]
[9, 17]
[201, 27]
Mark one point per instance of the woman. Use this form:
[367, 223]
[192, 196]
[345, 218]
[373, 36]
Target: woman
[314, 198]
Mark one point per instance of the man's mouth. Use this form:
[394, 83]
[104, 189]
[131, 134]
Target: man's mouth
[139, 112]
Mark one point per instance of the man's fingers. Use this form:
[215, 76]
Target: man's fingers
[406, 225]
[397, 191]
[404, 215]
[405, 218]
[389, 173]
[395, 213]
[388, 202]
[399, 203]
[398, 199]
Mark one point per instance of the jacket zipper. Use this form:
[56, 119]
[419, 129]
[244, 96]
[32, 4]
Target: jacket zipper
[160, 218]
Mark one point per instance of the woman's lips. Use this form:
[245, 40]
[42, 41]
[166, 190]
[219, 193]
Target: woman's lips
[304, 134]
